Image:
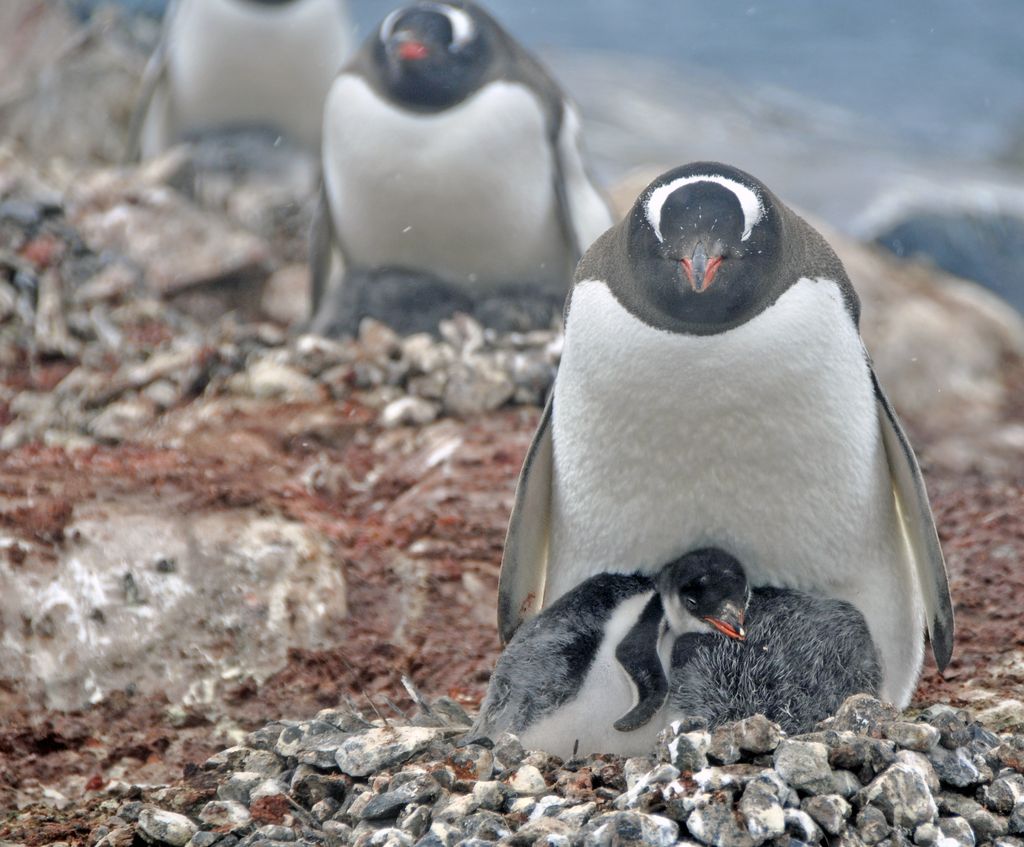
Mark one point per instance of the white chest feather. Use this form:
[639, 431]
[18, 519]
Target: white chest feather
[466, 193]
[607, 694]
[763, 440]
[244, 63]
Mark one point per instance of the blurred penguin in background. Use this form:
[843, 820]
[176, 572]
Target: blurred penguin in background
[230, 64]
[452, 180]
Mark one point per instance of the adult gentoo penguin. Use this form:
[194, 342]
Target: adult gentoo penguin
[790, 656]
[222, 64]
[449, 154]
[714, 391]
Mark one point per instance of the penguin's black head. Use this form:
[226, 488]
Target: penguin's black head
[704, 244]
[433, 55]
[705, 589]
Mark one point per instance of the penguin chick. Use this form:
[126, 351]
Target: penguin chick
[559, 684]
[788, 655]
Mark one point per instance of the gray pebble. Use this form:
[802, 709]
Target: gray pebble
[167, 827]
[804, 765]
[829, 811]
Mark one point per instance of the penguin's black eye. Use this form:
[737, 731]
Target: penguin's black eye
[690, 601]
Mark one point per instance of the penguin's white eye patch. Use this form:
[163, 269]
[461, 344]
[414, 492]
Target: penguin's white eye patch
[749, 200]
[463, 29]
[387, 28]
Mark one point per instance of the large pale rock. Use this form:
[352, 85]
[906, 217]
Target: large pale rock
[136, 576]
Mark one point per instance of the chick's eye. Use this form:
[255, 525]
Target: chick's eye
[690, 602]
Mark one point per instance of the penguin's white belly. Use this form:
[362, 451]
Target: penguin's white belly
[466, 194]
[233, 63]
[585, 723]
[763, 440]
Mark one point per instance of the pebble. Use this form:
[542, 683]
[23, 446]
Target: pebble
[528, 780]
[377, 749]
[829, 811]
[901, 793]
[410, 785]
[166, 827]
[225, 814]
[804, 765]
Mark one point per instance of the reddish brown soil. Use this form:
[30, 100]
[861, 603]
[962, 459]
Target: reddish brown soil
[433, 534]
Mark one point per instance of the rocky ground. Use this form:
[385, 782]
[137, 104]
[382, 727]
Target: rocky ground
[211, 523]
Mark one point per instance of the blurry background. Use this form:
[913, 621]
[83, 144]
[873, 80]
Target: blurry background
[208, 521]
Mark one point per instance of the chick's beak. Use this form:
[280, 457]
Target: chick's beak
[729, 621]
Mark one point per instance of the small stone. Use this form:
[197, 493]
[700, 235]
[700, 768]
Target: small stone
[268, 788]
[577, 816]
[454, 808]
[239, 786]
[685, 751]
[802, 827]
[987, 826]
[927, 835]
[414, 788]
[309, 785]
[724, 747]
[415, 820]
[472, 762]
[528, 780]
[861, 754]
[954, 767]
[440, 834]
[758, 735]
[1007, 715]
[378, 340]
[246, 759]
[166, 827]
[1005, 793]
[629, 829]
[804, 765]
[864, 714]
[267, 379]
[276, 832]
[542, 830]
[122, 420]
[952, 727]
[491, 794]
[635, 770]
[829, 811]
[488, 826]
[871, 825]
[325, 809]
[762, 812]
[1016, 821]
[920, 763]
[311, 742]
[409, 411]
[475, 387]
[508, 751]
[224, 813]
[910, 735]
[902, 795]
[377, 749]
[958, 829]
[715, 823]
[845, 784]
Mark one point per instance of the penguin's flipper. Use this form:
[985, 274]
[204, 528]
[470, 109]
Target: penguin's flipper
[584, 213]
[321, 248]
[918, 526]
[524, 563]
[638, 655]
[154, 96]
